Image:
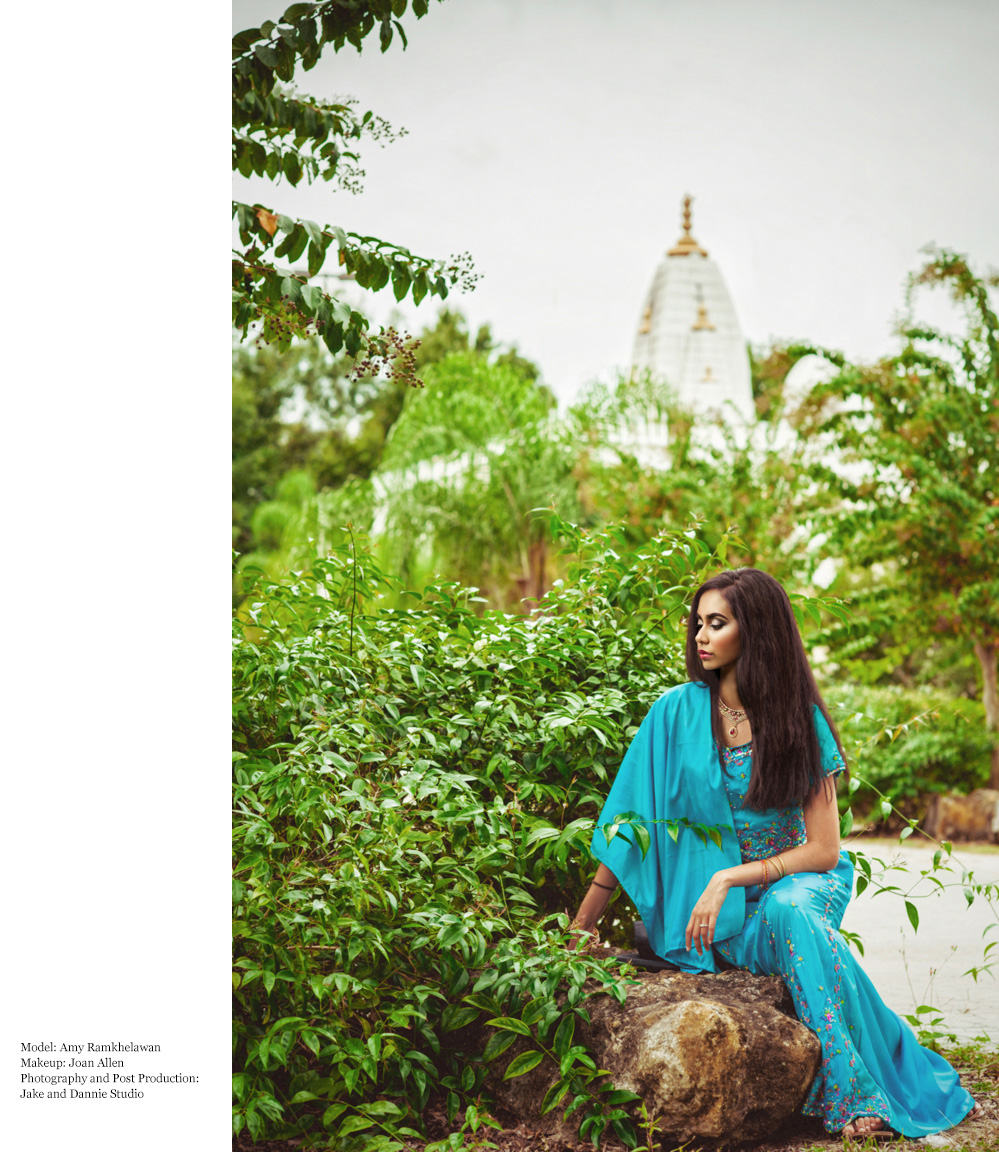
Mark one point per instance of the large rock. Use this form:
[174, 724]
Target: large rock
[717, 1058]
[971, 817]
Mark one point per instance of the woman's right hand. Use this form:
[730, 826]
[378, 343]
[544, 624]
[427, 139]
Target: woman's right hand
[583, 926]
[582, 939]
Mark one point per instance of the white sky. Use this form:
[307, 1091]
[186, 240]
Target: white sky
[824, 142]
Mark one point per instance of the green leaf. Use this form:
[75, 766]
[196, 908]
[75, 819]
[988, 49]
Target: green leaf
[522, 1064]
[457, 1016]
[266, 55]
[353, 1124]
[498, 1044]
[619, 1096]
[644, 840]
[913, 913]
[332, 1113]
[564, 1034]
[846, 822]
[381, 1108]
[317, 257]
[509, 1024]
[452, 934]
[400, 281]
[554, 1096]
[421, 286]
[625, 1132]
[315, 233]
[542, 832]
[534, 1010]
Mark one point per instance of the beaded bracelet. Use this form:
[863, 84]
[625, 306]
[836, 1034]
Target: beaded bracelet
[766, 874]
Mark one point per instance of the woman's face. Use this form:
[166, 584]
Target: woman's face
[717, 635]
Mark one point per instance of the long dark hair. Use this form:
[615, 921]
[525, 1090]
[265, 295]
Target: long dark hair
[775, 685]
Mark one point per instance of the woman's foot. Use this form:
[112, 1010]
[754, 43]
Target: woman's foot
[975, 1113]
[860, 1127]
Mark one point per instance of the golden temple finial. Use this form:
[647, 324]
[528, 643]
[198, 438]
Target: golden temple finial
[686, 244]
[702, 323]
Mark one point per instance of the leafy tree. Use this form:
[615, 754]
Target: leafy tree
[768, 368]
[469, 459]
[278, 134]
[919, 436]
[754, 489]
[450, 334]
[258, 395]
[305, 426]
[302, 410]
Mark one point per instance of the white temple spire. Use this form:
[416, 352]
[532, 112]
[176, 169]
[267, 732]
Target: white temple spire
[689, 337]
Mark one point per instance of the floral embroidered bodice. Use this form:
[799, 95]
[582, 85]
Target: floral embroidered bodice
[760, 834]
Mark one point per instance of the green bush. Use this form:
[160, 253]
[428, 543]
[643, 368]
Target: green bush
[415, 790]
[909, 743]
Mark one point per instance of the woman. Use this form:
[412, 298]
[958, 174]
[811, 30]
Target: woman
[748, 748]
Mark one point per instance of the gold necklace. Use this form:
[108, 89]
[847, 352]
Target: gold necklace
[735, 715]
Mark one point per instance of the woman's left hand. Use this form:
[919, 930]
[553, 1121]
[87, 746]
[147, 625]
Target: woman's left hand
[704, 918]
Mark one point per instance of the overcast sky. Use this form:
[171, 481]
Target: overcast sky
[825, 142]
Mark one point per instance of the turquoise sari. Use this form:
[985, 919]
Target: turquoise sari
[872, 1064]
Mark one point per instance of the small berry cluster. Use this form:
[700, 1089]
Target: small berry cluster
[459, 269]
[392, 352]
[284, 322]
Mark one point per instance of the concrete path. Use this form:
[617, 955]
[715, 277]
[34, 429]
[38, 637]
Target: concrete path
[910, 967]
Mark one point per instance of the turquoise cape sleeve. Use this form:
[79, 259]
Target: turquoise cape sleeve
[670, 771]
[831, 761]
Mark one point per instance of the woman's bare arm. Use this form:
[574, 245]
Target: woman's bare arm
[595, 901]
[820, 851]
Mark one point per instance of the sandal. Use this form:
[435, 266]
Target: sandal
[873, 1127]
